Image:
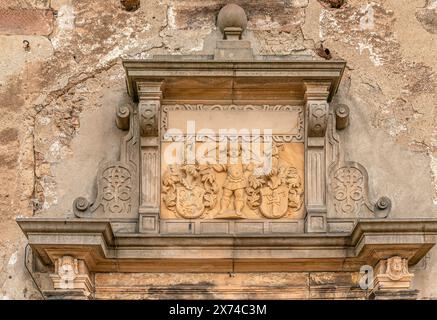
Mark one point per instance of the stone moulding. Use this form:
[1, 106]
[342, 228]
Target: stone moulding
[232, 81]
[102, 250]
[297, 136]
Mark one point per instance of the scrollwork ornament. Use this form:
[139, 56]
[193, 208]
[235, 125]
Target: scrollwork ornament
[278, 192]
[115, 185]
[348, 188]
[148, 111]
[317, 118]
[80, 206]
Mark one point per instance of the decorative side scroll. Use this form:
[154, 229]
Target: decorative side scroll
[114, 192]
[235, 190]
[348, 189]
[317, 118]
[116, 180]
[349, 186]
[349, 181]
[148, 117]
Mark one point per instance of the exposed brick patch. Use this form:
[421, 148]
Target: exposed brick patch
[26, 21]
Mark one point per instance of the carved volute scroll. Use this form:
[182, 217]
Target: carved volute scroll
[117, 181]
[393, 280]
[317, 111]
[122, 117]
[348, 180]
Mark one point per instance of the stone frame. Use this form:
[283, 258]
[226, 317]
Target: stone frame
[120, 229]
[319, 243]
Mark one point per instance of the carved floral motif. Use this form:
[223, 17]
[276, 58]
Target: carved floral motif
[348, 188]
[117, 185]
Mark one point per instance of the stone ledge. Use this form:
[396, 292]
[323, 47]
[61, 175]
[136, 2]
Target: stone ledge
[227, 80]
[103, 251]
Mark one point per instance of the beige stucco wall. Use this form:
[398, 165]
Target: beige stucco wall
[57, 99]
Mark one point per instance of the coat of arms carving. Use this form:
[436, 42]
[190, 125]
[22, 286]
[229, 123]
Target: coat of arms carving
[278, 191]
[234, 189]
[189, 189]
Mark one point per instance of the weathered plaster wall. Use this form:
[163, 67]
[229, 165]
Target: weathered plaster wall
[61, 80]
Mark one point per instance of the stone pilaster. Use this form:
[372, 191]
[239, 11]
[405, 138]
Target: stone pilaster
[393, 280]
[316, 110]
[149, 109]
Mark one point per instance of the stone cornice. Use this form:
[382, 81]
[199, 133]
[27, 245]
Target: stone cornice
[174, 72]
[103, 251]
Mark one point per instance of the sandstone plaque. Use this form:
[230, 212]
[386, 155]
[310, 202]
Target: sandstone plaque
[232, 162]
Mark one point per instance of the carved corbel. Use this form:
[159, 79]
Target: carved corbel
[317, 112]
[149, 95]
[392, 280]
[149, 109]
[350, 191]
[71, 279]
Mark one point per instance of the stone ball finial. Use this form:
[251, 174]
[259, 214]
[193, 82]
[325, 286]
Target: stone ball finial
[232, 16]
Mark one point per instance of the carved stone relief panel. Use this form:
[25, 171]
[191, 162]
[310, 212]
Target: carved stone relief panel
[235, 190]
[226, 183]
